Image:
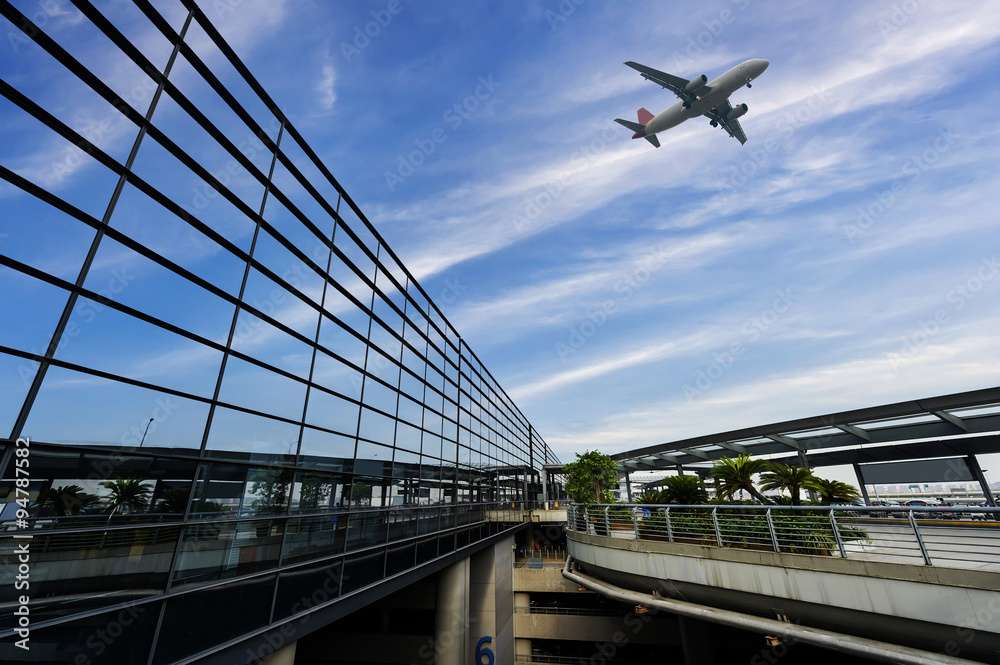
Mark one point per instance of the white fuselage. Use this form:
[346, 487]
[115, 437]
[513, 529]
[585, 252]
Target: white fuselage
[719, 90]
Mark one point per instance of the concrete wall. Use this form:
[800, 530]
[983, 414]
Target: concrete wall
[589, 628]
[491, 601]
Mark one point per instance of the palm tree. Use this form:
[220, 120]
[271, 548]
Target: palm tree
[685, 490]
[785, 477]
[128, 495]
[65, 500]
[832, 491]
[734, 474]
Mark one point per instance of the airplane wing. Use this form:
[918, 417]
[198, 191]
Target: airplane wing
[732, 126]
[675, 84]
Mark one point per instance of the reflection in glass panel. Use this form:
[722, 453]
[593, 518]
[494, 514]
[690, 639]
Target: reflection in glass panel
[235, 609]
[75, 572]
[332, 412]
[288, 224]
[330, 452]
[246, 436]
[376, 427]
[222, 550]
[78, 408]
[287, 266]
[349, 346]
[335, 375]
[367, 528]
[373, 459]
[257, 338]
[379, 396]
[315, 491]
[407, 437]
[273, 300]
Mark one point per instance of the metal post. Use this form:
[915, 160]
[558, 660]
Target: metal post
[670, 530]
[586, 519]
[836, 534]
[770, 527]
[715, 521]
[635, 521]
[920, 540]
[861, 484]
[628, 486]
[607, 521]
[978, 474]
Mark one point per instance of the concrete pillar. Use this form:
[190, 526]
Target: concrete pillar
[696, 641]
[451, 620]
[522, 648]
[283, 656]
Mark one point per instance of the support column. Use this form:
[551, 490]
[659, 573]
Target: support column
[628, 486]
[977, 472]
[283, 656]
[861, 483]
[451, 619]
[696, 641]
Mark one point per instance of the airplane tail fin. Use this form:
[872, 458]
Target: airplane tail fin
[644, 116]
[634, 126]
[652, 139]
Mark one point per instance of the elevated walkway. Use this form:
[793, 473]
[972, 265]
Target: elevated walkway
[885, 606]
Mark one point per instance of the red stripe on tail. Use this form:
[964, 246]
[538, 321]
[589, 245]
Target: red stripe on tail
[644, 116]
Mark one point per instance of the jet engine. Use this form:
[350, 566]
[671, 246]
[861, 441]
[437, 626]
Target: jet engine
[737, 111]
[696, 83]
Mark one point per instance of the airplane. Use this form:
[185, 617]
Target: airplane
[698, 97]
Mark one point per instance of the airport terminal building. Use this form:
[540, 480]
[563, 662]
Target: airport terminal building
[229, 413]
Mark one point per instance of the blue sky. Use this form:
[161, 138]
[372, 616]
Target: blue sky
[846, 256]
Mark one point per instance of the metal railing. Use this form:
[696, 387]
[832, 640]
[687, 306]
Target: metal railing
[952, 536]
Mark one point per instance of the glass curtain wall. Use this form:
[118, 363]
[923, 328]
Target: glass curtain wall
[233, 400]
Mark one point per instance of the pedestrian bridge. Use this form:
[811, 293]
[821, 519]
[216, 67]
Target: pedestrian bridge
[893, 585]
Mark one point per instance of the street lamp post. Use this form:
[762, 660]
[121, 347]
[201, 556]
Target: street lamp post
[144, 433]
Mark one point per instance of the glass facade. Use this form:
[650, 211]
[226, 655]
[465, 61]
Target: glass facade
[220, 390]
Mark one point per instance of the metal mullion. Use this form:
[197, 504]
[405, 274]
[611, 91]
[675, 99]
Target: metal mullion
[60, 329]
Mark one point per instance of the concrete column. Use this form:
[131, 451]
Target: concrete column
[451, 621]
[522, 648]
[696, 641]
[283, 656]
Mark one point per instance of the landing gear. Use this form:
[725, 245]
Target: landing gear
[748, 84]
[686, 105]
[714, 123]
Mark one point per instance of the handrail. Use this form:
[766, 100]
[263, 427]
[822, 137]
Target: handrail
[827, 530]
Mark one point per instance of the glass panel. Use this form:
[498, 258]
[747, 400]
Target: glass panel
[121, 344]
[275, 301]
[376, 427]
[322, 450]
[363, 569]
[16, 375]
[373, 459]
[333, 374]
[76, 572]
[41, 236]
[77, 408]
[290, 226]
[279, 260]
[316, 492]
[315, 537]
[259, 339]
[119, 636]
[348, 346]
[307, 587]
[366, 528]
[149, 223]
[166, 173]
[332, 412]
[36, 307]
[226, 549]
[235, 609]
[379, 396]
[253, 387]
[248, 437]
